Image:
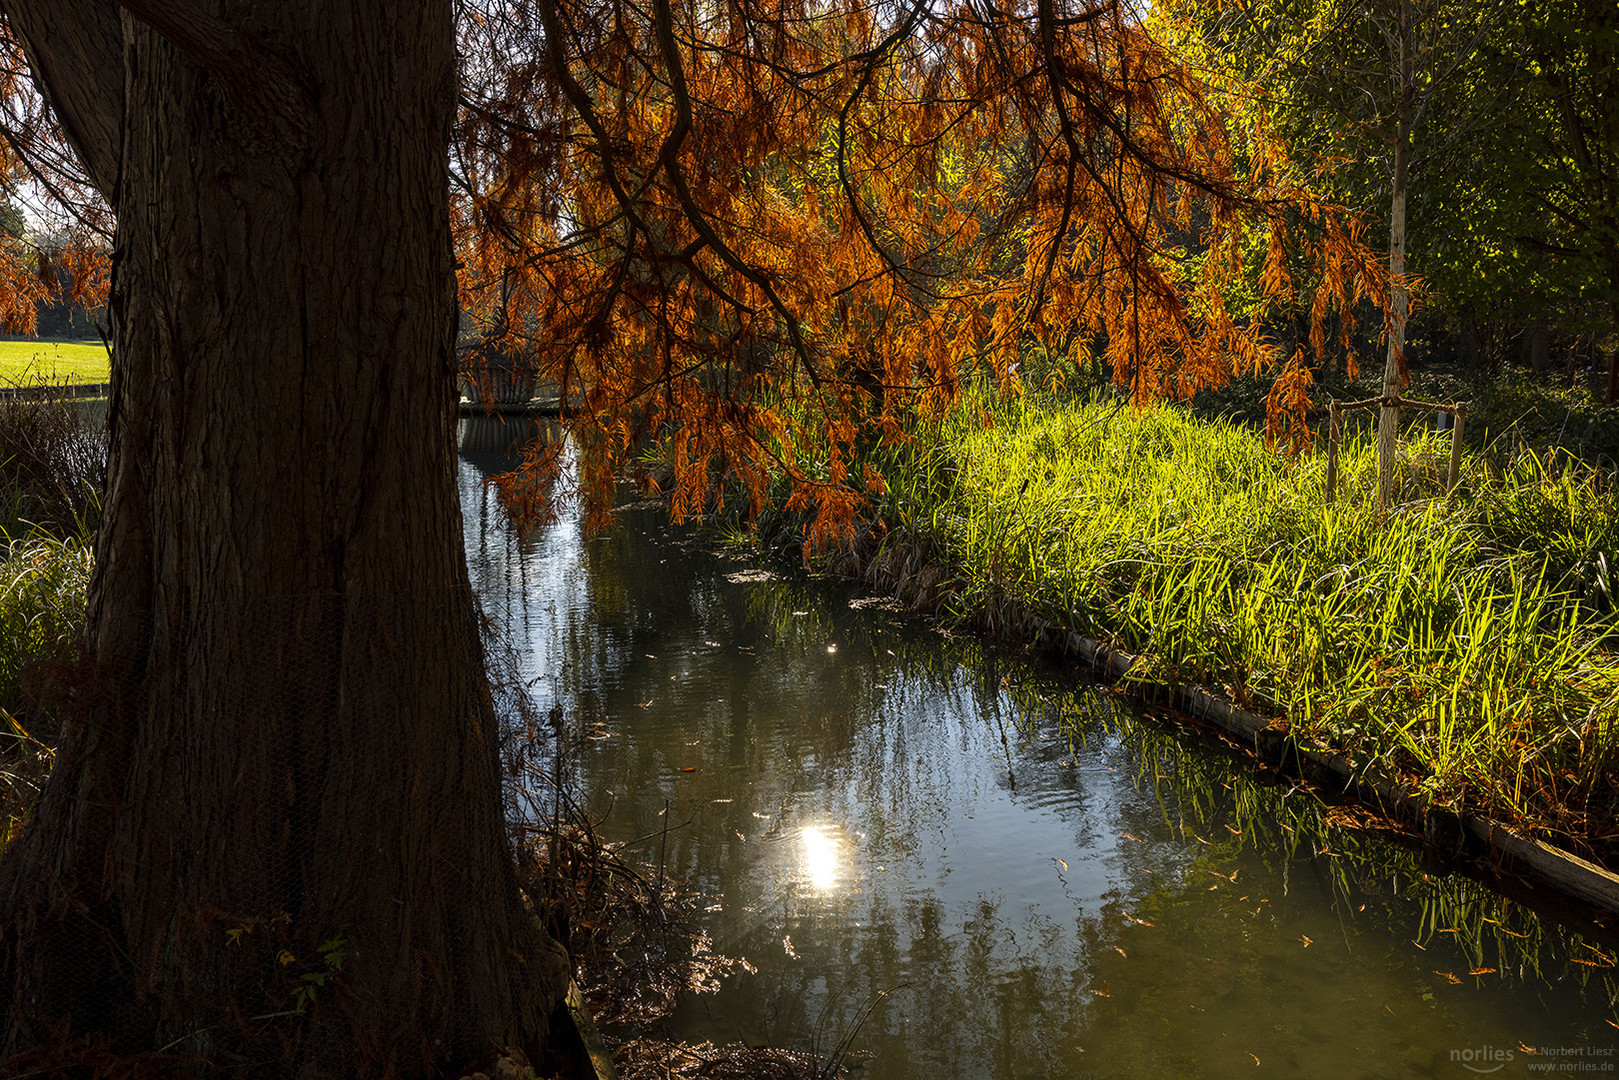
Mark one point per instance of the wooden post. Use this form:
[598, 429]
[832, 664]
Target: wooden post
[1332, 450]
[1460, 414]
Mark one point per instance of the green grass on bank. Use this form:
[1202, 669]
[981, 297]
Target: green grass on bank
[1458, 642]
[25, 363]
[52, 461]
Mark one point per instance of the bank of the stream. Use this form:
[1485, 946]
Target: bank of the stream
[1461, 643]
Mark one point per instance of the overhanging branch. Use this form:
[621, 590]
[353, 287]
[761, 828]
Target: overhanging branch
[75, 54]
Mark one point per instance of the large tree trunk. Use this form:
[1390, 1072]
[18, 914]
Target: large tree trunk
[287, 739]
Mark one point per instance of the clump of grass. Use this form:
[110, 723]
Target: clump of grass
[53, 462]
[43, 588]
[1458, 640]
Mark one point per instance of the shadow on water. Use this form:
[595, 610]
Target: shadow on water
[1044, 884]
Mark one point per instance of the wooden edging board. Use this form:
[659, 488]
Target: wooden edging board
[590, 1051]
[53, 391]
[1441, 827]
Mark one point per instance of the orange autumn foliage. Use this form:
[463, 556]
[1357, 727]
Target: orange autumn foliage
[73, 262]
[764, 231]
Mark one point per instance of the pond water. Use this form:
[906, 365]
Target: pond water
[956, 863]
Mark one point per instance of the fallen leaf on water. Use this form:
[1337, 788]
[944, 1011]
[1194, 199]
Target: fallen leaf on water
[644, 704]
[1236, 832]
[1199, 1008]
[1102, 992]
[1121, 952]
[1138, 922]
[1063, 863]
[1612, 1024]
[1448, 977]
[740, 837]
[689, 768]
[1482, 971]
[1254, 1056]
[1528, 1049]
[1137, 839]
[1307, 940]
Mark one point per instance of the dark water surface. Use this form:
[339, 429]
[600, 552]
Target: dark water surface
[964, 865]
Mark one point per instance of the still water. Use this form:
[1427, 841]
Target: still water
[954, 863]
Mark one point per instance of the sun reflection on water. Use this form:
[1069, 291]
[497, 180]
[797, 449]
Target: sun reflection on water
[823, 858]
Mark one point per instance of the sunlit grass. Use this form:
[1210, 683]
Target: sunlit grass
[25, 363]
[1458, 641]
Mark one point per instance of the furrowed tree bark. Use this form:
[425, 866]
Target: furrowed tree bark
[285, 739]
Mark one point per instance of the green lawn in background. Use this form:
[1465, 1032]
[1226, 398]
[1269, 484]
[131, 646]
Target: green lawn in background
[24, 363]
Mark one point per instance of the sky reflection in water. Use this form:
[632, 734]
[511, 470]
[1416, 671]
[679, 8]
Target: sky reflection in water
[877, 812]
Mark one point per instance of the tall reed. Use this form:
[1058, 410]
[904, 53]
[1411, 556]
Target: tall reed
[1462, 641]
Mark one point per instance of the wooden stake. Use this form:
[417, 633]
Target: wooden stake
[1460, 414]
[1332, 450]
